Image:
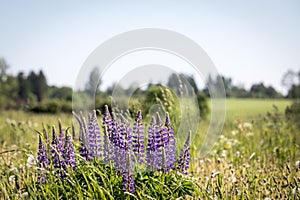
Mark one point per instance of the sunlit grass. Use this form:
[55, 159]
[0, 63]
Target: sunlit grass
[255, 158]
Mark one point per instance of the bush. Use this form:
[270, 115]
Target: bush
[166, 98]
[52, 106]
[203, 105]
[293, 113]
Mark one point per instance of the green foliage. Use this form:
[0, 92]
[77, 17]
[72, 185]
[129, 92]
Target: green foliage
[203, 105]
[260, 91]
[52, 106]
[62, 93]
[255, 158]
[256, 91]
[8, 94]
[93, 84]
[294, 92]
[176, 80]
[293, 113]
[38, 85]
[94, 181]
[163, 96]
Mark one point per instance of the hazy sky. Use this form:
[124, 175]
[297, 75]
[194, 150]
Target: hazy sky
[249, 41]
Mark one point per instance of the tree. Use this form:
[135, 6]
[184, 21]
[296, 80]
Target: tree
[23, 87]
[38, 85]
[261, 91]
[289, 78]
[290, 81]
[62, 93]
[3, 68]
[42, 86]
[294, 92]
[94, 82]
[179, 83]
[216, 83]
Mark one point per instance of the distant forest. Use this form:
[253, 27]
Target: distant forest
[31, 91]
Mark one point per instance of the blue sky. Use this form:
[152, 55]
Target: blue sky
[249, 41]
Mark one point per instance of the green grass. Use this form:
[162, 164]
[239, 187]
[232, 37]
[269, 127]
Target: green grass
[255, 158]
[251, 108]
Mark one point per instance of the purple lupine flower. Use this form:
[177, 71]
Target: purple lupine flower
[128, 176]
[107, 147]
[56, 151]
[170, 148]
[46, 139]
[43, 161]
[84, 132]
[81, 126]
[74, 133]
[61, 135]
[69, 154]
[185, 156]
[43, 158]
[84, 152]
[94, 137]
[128, 133]
[151, 146]
[108, 135]
[138, 138]
[122, 143]
[161, 139]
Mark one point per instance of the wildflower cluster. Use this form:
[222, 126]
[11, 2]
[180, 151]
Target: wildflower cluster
[121, 146]
[60, 153]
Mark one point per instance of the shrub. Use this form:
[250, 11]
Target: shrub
[203, 105]
[293, 113]
[52, 106]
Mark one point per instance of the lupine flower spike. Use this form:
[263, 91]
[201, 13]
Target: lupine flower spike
[84, 152]
[81, 126]
[185, 156]
[43, 161]
[108, 128]
[55, 151]
[171, 145]
[123, 147]
[151, 146]
[69, 154]
[128, 176]
[138, 138]
[73, 132]
[161, 139]
[95, 146]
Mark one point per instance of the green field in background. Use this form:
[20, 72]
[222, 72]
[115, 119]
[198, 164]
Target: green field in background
[251, 108]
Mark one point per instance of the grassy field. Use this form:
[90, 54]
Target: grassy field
[251, 108]
[255, 158]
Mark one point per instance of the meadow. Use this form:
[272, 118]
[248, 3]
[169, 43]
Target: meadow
[256, 157]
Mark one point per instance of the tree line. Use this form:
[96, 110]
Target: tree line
[32, 92]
